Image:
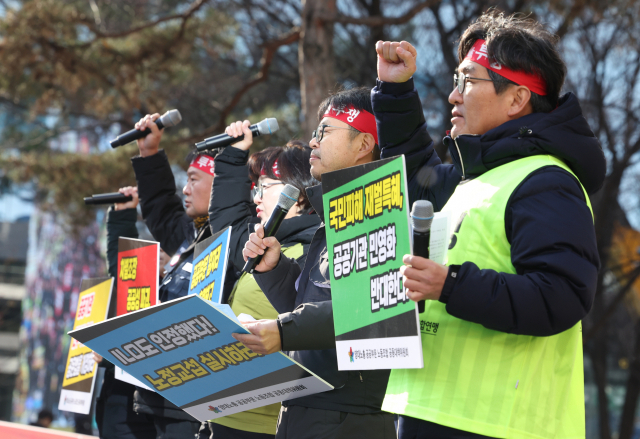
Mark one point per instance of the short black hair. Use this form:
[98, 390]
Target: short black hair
[194, 154]
[356, 97]
[293, 167]
[45, 414]
[521, 44]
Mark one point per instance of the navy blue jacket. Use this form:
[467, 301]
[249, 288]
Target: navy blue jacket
[547, 220]
[302, 296]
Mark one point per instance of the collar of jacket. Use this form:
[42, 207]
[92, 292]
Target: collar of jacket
[202, 233]
[201, 221]
[314, 193]
[563, 133]
[299, 229]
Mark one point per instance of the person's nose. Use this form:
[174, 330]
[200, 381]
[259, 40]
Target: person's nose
[186, 189]
[455, 97]
[314, 144]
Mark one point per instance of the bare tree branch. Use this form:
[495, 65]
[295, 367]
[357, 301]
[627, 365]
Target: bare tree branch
[378, 20]
[269, 50]
[195, 6]
[593, 330]
[576, 8]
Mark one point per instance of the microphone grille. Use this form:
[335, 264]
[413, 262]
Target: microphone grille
[268, 126]
[421, 215]
[171, 118]
[288, 196]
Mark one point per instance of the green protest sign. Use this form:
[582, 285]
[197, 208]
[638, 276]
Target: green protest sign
[367, 226]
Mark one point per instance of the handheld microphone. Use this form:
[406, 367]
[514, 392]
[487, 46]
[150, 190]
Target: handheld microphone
[110, 198]
[168, 119]
[288, 197]
[421, 219]
[267, 126]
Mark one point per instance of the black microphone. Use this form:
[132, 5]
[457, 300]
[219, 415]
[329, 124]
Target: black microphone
[421, 219]
[168, 119]
[110, 198]
[288, 197]
[267, 126]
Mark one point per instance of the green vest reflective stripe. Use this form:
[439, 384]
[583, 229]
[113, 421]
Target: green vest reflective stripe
[248, 298]
[485, 381]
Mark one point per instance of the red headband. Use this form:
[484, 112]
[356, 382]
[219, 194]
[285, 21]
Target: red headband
[274, 168]
[361, 120]
[535, 83]
[204, 163]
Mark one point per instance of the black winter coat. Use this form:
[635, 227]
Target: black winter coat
[169, 224]
[547, 220]
[303, 298]
[120, 223]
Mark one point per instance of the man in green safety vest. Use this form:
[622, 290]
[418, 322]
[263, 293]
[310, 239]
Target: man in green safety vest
[501, 330]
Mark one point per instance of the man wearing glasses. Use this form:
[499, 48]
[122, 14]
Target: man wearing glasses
[347, 136]
[506, 361]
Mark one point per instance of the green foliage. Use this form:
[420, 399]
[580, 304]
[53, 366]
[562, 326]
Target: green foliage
[64, 179]
[68, 66]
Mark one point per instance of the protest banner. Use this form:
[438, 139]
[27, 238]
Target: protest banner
[138, 274]
[210, 266]
[121, 375]
[367, 226]
[80, 371]
[138, 280]
[183, 349]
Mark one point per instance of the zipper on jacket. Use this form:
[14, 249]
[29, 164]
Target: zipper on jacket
[361, 380]
[459, 155]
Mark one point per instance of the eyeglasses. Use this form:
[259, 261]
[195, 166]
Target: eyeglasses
[459, 82]
[259, 189]
[318, 134]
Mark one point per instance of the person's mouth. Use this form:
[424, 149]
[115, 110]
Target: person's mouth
[457, 116]
[313, 158]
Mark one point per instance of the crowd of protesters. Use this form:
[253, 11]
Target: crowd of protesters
[520, 276]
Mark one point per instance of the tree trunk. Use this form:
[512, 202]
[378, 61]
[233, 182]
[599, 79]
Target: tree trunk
[628, 418]
[316, 60]
[376, 34]
[599, 360]
[598, 354]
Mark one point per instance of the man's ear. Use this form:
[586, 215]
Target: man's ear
[520, 102]
[366, 146]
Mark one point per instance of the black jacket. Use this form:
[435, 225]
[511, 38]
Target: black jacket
[120, 223]
[548, 223]
[160, 203]
[231, 205]
[303, 299]
[169, 224]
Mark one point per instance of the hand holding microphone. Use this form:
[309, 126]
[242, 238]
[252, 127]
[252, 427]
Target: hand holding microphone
[422, 277]
[267, 126]
[268, 248]
[144, 128]
[129, 191]
[240, 131]
[108, 198]
[125, 198]
[260, 240]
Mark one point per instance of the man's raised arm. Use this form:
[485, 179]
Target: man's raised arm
[402, 128]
